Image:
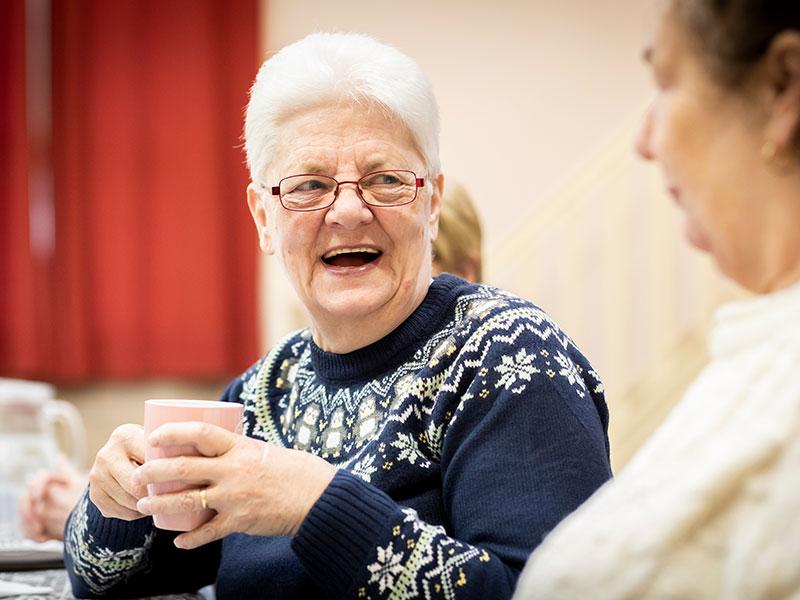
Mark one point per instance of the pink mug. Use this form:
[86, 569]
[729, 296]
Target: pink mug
[157, 412]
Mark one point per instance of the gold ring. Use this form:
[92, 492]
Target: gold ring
[203, 499]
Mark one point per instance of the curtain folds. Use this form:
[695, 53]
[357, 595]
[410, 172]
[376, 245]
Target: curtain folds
[154, 265]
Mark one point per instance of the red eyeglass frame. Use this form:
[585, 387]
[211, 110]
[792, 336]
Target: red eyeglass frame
[418, 183]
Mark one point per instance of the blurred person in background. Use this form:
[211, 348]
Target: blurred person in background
[48, 500]
[457, 248]
[418, 439]
[710, 506]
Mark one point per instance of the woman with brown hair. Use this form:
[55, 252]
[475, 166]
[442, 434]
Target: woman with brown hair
[709, 507]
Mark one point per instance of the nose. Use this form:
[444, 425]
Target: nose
[348, 210]
[643, 142]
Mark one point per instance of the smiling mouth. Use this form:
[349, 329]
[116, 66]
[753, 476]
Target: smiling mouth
[351, 257]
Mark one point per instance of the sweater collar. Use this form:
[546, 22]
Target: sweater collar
[398, 346]
[756, 321]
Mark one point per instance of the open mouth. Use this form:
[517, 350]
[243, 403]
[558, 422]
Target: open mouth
[351, 257]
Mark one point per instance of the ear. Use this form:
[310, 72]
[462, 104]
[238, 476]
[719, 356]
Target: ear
[259, 213]
[436, 203]
[783, 73]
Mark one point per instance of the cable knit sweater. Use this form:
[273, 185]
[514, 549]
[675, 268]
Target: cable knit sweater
[461, 439]
[710, 506]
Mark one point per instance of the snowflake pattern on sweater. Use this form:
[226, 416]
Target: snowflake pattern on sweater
[401, 419]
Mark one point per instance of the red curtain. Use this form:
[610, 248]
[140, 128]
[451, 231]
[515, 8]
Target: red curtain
[154, 268]
[18, 270]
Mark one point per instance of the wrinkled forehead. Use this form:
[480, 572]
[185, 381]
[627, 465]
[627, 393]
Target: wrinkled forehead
[328, 138]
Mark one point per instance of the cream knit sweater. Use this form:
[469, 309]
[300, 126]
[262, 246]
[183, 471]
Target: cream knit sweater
[710, 506]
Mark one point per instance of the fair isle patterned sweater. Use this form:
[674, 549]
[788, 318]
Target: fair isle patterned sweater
[461, 439]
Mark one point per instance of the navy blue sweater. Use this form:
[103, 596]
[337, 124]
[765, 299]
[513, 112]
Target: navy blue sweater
[461, 439]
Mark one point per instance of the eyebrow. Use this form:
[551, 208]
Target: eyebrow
[374, 165]
[313, 168]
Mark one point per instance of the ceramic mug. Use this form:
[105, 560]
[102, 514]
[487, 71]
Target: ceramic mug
[227, 415]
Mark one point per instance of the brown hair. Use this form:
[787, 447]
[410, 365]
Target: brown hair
[735, 34]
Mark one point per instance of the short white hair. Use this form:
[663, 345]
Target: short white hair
[333, 68]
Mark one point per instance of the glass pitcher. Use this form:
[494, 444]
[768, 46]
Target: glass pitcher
[30, 419]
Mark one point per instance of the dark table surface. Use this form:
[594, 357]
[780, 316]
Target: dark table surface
[54, 578]
[58, 581]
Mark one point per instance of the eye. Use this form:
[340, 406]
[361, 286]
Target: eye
[386, 179]
[306, 185]
[310, 186]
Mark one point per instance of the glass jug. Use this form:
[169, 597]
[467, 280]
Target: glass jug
[30, 419]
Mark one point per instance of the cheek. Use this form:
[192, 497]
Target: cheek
[681, 144]
[297, 236]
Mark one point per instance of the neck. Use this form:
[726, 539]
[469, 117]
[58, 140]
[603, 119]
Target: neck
[784, 278]
[776, 265]
[346, 334]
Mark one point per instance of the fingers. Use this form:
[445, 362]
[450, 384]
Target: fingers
[130, 441]
[53, 519]
[216, 529]
[197, 470]
[65, 497]
[32, 525]
[121, 496]
[112, 488]
[210, 440]
[44, 482]
[111, 498]
[190, 500]
[110, 508]
[43, 517]
[37, 486]
[124, 469]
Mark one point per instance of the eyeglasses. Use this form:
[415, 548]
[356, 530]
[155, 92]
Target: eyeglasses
[309, 192]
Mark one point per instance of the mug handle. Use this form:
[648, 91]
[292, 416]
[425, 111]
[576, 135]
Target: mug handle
[66, 413]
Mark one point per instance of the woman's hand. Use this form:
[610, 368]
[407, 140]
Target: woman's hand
[48, 500]
[254, 487]
[111, 487]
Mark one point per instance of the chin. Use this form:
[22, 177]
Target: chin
[353, 301]
[696, 236]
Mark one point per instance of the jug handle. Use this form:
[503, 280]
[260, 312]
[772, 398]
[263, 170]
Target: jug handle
[59, 410]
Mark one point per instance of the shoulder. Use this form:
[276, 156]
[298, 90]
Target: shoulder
[503, 331]
[508, 353]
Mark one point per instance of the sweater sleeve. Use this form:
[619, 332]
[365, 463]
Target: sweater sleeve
[108, 557]
[525, 445]
[128, 559]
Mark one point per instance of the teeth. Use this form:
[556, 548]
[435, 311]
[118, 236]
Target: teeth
[333, 253]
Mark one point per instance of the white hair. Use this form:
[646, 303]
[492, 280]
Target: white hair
[334, 68]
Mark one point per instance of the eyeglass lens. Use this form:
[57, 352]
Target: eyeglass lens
[381, 188]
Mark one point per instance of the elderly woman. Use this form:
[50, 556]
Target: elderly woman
[418, 440]
[710, 507]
